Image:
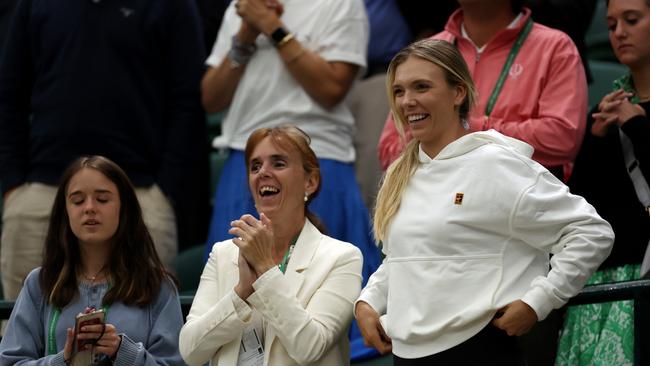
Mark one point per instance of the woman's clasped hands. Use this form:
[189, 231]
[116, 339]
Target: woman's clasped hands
[256, 13]
[255, 240]
[614, 109]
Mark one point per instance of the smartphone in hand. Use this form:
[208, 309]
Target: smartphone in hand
[82, 320]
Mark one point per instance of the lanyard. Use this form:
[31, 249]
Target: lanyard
[51, 336]
[51, 340]
[506, 67]
[287, 255]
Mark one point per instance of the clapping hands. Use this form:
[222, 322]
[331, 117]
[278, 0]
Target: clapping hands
[255, 241]
[258, 15]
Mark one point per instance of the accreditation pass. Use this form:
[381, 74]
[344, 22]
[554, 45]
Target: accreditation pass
[251, 349]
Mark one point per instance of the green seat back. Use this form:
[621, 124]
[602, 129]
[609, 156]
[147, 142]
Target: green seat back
[604, 73]
[189, 266]
[597, 37]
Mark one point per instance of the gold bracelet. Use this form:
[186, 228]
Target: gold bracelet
[285, 40]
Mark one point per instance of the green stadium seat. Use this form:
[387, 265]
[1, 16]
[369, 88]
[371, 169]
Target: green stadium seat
[189, 266]
[597, 37]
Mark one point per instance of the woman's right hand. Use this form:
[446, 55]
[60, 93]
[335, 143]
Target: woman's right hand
[371, 329]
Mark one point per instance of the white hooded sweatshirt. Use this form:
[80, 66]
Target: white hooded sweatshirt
[473, 233]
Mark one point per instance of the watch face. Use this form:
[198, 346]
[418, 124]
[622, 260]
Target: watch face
[278, 35]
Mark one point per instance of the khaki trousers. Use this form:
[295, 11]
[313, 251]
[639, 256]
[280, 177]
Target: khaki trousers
[25, 220]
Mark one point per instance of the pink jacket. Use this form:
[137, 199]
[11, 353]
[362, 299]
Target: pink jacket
[543, 101]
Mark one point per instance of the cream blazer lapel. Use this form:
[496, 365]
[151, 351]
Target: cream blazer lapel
[301, 258]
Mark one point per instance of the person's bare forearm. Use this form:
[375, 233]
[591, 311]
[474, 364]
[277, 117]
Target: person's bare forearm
[220, 83]
[218, 86]
[327, 83]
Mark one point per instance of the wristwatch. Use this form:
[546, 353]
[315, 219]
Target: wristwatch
[280, 37]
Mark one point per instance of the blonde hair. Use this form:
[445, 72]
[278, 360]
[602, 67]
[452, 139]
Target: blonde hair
[446, 56]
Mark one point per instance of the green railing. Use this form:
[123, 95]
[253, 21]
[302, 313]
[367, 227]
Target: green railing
[638, 290]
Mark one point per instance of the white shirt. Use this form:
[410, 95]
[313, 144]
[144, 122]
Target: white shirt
[268, 96]
[479, 50]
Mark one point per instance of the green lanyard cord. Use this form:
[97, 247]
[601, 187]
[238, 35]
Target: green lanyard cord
[287, 255]
[506, 67]
[51, 338]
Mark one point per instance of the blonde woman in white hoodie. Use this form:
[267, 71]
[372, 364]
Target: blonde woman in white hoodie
[467, 222]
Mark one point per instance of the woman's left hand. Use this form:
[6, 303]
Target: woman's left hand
[255, 241]
[105, 337]
[247, 277]
[626, 110]
[616, 107]
[516, 318]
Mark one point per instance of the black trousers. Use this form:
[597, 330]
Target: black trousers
[490, 347]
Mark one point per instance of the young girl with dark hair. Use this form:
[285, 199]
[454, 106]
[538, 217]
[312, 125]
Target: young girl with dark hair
[98, 255]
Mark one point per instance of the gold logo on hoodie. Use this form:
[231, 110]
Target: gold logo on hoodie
[459, 199]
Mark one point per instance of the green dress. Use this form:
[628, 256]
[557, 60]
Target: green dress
[600, 334]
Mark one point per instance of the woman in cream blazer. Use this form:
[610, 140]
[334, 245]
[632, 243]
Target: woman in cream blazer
[302, 314]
